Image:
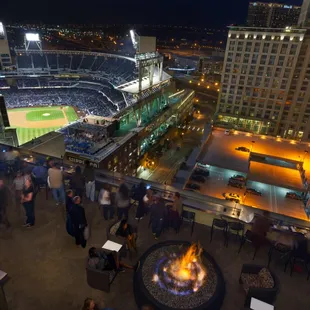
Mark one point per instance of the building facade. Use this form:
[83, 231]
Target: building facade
[304, 17]
[5, 55]
[272, 15]
[264, 86]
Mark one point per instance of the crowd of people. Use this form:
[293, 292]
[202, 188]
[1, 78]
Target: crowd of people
[109, 67]
[90, 101]
[29, 179]
[84, 138]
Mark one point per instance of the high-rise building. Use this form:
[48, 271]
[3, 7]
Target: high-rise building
[272, 15]
[265, 86]
[304, 17]
[5, 55]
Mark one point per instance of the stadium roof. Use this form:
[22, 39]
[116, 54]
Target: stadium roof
[132, 87]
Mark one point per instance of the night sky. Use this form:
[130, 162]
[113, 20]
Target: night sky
[210, 13]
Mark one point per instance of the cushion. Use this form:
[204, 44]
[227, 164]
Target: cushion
[250, 280]
[114, 228]
[266, 278]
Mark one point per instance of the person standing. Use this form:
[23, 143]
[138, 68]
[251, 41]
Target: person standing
[139, 194]
[105, 202]
[79, 222]
[39, 174]
[122, 201]
[89, 175]
[175, 212]
[27, 200]
[17, 186]
[158, 214]
[55, 176]
[78, 182]
[4, 197]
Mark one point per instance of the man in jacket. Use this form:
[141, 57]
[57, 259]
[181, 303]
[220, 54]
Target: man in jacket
[158, 215]
[55, 176]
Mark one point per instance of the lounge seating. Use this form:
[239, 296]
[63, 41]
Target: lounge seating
[111, 235]
[258, 282]
[99, 280]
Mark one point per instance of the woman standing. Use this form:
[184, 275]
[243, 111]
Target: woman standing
[106, 203]
[79, 222]
[122, 201]
[78, 182]
[27, 200]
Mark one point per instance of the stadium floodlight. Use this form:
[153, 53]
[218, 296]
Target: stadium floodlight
[133, 38]
[32, 37]
[1, 29]
[32, 41]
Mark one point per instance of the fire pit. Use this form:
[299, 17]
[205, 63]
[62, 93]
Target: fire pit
[178, 275]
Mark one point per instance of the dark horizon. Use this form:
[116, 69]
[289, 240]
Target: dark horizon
[215, 14]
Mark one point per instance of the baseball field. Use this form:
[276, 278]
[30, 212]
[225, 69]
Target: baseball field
[34, 122]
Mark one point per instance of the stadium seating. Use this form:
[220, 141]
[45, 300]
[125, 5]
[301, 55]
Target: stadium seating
[84, 138]
[116, 70]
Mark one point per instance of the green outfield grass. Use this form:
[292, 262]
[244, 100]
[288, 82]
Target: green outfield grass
[27, 134]
[71, 115]
[39, 114]
[44, 115]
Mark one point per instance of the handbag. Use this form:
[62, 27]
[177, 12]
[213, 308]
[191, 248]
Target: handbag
[86, 233]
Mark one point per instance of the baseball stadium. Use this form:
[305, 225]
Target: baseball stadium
[91, 103]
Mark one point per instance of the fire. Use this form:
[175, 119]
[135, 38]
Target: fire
[183, 268]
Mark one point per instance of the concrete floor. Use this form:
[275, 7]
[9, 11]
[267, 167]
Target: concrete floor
[47, 269]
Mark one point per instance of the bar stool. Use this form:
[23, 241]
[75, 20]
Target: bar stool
[222, 225]
[237, 228]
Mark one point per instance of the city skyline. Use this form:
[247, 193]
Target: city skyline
[173, 12]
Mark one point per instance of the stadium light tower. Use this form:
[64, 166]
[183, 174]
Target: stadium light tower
[33, 41]
[134, 38]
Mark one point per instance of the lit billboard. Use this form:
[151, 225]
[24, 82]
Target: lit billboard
[32, 37]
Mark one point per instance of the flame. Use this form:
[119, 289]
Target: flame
[182, 268]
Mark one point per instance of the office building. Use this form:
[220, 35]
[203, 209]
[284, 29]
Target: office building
[5, 55]
[272, 15]
[304, 17]
[265, 82]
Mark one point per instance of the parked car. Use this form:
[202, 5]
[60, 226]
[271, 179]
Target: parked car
[253, 191]
[193, 186]
[293, 195]
[238, 177]
[235, 183]
[232, 197]
[227, 132]
[198, 178]
[242, 149]
[202, 172]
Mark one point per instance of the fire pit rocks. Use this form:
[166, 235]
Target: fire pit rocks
[178, 275]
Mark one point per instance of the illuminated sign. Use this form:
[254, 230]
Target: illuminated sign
[81, 161]
[32, 37]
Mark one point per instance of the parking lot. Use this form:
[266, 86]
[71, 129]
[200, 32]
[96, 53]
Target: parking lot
[275, 175]
[220, 150]
[272, 199]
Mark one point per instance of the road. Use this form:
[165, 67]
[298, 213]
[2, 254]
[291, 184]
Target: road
[170, 162]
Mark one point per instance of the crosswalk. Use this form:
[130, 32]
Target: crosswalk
[193, 128]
